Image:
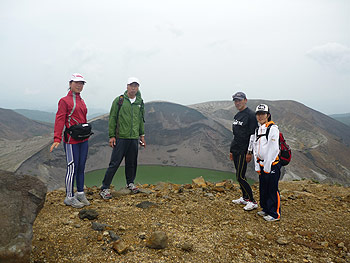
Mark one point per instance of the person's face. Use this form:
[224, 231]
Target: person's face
[76, 86]
[262, 117]
[132, 88]
[240, 104]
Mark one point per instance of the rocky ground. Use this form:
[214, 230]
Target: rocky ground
[201, 223]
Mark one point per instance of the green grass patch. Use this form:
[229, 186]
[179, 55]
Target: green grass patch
[153, 174]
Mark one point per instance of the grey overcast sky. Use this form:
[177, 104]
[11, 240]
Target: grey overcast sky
[183, 51]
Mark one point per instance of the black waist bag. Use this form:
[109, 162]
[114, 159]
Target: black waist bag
[79, 132]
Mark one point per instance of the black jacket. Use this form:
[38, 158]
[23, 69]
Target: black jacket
[244, 125]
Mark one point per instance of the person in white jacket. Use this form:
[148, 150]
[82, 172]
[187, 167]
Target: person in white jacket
[264, 145]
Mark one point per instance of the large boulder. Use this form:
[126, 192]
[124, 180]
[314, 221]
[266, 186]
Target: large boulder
[21, 199]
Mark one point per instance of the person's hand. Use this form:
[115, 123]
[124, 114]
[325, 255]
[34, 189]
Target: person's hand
[143, 141]
[231, 157]
[112, 142]
[248, 157]
[54, 145]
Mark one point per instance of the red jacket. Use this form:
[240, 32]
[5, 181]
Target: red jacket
[65, 107]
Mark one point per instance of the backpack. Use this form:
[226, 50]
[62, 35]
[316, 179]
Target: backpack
[285, 154]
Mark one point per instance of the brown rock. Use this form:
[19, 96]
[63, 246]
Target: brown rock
[282, 241]
[21, 199]
[199, 181]
[219, 189]
[186, 246]
[220, 184]
[157, 240]
[228, 185]
[250, 235]
[120, 247]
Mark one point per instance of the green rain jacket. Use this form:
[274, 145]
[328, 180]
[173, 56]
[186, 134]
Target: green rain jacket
[130, 120]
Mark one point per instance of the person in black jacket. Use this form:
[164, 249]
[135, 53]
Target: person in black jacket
[244, 125]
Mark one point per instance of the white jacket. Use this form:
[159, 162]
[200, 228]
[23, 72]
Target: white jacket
[265, 149]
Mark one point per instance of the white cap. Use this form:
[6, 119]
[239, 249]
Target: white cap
[262, 108]
[77, 77]
[132, 80]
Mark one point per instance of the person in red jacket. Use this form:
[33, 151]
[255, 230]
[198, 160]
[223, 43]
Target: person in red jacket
[71, 111]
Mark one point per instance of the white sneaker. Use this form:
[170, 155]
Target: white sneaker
[82, 198]
[133, 188]
[240, 201]
[270, 218]
[250, 206]
[73, 202]
[261, 213]
[106, 194]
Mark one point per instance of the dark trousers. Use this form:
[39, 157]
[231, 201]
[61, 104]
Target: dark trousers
[127, 148]
[241, 168]
[270, 200]
[76, 155]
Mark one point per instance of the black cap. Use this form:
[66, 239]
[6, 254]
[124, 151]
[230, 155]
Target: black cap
[239, 96]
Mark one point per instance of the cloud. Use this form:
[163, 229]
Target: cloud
[332, 55]
[219, 43]
[85, 58]
[28, 91]
[133, 55]
[169, 27]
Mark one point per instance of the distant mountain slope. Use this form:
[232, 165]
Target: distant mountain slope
[200, 136]
[20, 138]
[344, 118]
[49, 117]
[14, 126]
[37, 115]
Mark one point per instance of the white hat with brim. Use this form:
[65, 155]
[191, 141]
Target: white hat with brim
[133, 80]
[262, 108]
[77, 77]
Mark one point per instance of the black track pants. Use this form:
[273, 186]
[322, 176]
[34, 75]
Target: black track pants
[241, 168]
[127, 148]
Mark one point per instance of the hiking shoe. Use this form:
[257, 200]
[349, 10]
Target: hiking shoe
[82, 198]
[270, 218]
[240, 201]
[133, 188]
[106, 194]
[73, 202]
[261, 213]
[250, 206]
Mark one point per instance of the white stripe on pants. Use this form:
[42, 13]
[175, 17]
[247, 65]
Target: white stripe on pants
[70, 170]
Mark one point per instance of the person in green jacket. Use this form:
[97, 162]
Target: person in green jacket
[126, 132]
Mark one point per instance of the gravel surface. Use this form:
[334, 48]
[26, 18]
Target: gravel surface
[202, 225]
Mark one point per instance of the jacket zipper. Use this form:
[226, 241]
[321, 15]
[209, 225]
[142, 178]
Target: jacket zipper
[132, 118]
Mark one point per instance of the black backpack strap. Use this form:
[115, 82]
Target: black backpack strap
[258, 136]
[120, 103]
[268, 131]
[142, 108]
